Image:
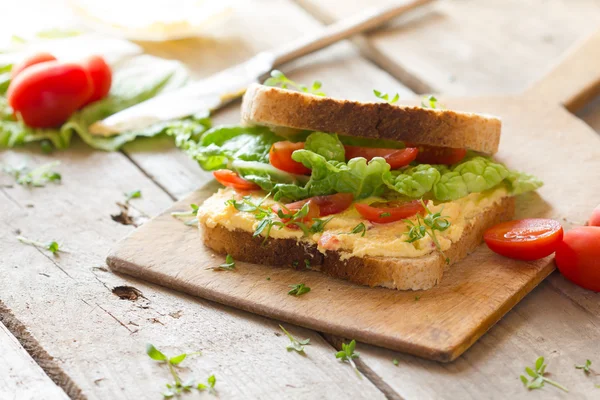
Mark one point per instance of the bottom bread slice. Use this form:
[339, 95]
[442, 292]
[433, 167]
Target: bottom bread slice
[402, 273]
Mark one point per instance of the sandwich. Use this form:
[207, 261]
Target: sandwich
[375, 193]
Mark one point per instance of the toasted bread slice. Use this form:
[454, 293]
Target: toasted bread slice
[390, 272]
[275, 107]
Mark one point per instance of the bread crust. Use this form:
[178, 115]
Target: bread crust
[275, 107]
[400, 273]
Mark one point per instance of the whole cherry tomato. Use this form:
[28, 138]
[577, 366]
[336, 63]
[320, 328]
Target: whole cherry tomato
[101, 75]
[45, 95]
[578, 257]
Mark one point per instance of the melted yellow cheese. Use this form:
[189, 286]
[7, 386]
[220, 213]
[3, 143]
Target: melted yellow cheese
[387, 240]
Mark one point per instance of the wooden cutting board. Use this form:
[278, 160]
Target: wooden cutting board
[539, 136]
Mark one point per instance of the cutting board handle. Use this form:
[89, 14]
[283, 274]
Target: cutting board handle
[367, 20]
[575, 79]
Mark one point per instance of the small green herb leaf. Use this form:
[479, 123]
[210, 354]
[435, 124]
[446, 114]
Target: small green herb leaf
[134, 194]
[36, 177]
[386, 97]
[177, 359]
[360, 228]
[430, 101]
[348, 354]
[296, 345]
[585, 367]
[538, 378]
[417, 297]
[395, 362]
[279, 79]
[298, 289]
[229, 263]
[52, 247]
[154, 353]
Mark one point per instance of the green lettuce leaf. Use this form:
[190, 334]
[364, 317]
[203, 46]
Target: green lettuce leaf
[220, 146]
[327, 145]
[472, 175]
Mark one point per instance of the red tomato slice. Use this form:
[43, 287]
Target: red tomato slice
[313, 212]
[397, 158]
[526, 239]
[391, 211]
[231, 179]
[595, 218]
[101, 75]
[46, 94]
[280, 156]
[37, 58]
[439, 155]
[332, 204]
[578, 257]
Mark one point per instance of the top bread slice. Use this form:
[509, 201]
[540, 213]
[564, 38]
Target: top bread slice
[275, 107]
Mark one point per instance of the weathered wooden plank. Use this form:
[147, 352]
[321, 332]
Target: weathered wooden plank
[472, 47]
[20, 376]
[96, 339]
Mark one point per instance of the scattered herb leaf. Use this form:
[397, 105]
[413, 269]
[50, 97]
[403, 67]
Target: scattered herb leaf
[427, 226]
[177, 386]
[537, 377]
[298, 289]
[53, 247]
[386, 97]
[279, 79]
[585, 367]
[192, 213]
[395, 362]
[37, 177]
[430, 101]
[228, 265]
[296, 345]
[360, 228]
[134, 194]
[417, 297]
[348, 354]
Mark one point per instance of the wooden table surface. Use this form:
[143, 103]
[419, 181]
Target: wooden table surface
[90, 343]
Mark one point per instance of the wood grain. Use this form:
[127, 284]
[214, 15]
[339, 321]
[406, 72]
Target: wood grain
[20, 376]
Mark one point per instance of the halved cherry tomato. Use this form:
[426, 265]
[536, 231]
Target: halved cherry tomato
[439, 155]
[101, 75]
[331, 204]
[397, 158]
[526, 239]
[595, 218]
[280, 156]
[391, 211]
[46, 94]
[578, 257]
[231, 179]
[37, 58]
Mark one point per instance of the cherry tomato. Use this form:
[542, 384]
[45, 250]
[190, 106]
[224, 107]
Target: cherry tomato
[231, 179]
[46, 94]
[280, 156]
[37, 58]
[595, 218]
[101, 75]
[578, 257]
[332, 204]
[439, 155]
[397, 158]
[391, 211]
[313, 211]
[526, 239]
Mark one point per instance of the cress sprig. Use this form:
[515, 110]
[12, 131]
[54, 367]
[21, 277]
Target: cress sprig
[53, 246]
[177, 387]
[427, 226]
[537, 377]
[386, 97]
[192, 213]
[37, 177]
[279, 79]
[296, 345]
[348, 354]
